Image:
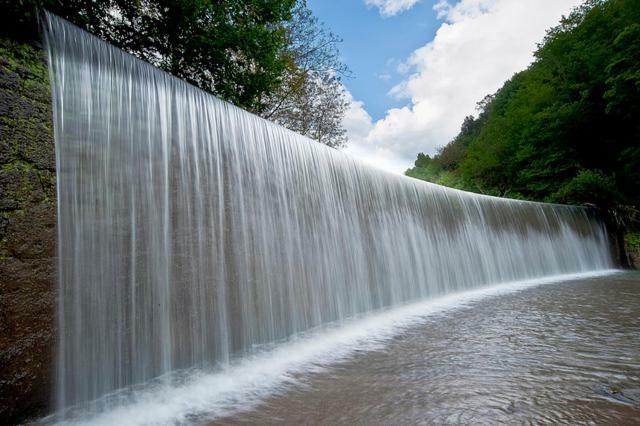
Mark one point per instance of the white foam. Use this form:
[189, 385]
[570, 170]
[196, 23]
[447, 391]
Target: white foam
[244, 385]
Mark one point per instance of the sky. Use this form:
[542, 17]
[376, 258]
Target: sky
[420, 66]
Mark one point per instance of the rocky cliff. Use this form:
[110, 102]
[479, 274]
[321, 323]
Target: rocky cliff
[27, 232]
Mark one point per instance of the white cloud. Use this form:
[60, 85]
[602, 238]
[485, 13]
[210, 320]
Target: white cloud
[391, 7]
[480, 44]
[358, 123]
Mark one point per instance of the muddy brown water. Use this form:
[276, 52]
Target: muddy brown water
[558, 353]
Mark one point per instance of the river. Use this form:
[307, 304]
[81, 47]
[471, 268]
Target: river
[563, 349]
[565, 352]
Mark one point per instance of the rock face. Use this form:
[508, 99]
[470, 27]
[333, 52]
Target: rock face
[27, 233]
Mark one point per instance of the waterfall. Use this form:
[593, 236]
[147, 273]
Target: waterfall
[192, 232]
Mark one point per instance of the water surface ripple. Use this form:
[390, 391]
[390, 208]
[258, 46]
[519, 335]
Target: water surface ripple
[559, 353]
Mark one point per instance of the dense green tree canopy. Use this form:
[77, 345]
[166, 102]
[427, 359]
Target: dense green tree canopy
[229, 48]
[272, 57]
[567, 129]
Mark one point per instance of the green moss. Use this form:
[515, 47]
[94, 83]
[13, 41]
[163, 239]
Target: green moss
[22, 55]
[4, 252]
[27, 159]
[632, 240]
[17, 166]
[27, 184]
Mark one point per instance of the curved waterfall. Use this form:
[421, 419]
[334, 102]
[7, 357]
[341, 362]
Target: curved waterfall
[191, 231]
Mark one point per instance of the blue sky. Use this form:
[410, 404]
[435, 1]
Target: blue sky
[420, 66]
[373, 46]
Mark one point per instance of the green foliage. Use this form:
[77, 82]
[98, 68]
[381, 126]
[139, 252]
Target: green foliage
[633, 242]
[231, 48]
[567, 129]
[443, 167]
[272, 57]
[589, 186]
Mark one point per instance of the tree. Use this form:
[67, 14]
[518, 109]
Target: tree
[272, 57]
[566, 129]
[231, 48]
[311, 99]
[590, 186]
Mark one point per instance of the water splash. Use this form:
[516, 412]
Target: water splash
[192, 232]
[196, 396]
